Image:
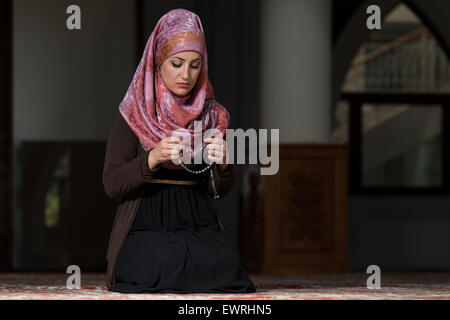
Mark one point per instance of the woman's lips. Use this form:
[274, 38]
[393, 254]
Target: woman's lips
[183, 85]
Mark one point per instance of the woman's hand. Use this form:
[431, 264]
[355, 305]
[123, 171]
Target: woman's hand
[217, 151]
[163, 151]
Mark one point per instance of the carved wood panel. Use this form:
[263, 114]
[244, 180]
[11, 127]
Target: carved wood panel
[294, 222]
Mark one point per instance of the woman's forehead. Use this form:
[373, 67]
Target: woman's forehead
[187, 55]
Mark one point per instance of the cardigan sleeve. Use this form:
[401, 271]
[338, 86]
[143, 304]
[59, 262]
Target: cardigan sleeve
[123, 171]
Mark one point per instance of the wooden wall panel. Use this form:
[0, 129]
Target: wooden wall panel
[304, 213]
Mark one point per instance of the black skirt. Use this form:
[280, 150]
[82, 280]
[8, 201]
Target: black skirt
[176, 245]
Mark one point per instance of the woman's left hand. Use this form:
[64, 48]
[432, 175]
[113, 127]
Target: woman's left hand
[217, 151]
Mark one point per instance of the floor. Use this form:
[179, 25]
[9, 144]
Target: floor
[349, 286]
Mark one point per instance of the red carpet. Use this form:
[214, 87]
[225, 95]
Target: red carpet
[394, 286]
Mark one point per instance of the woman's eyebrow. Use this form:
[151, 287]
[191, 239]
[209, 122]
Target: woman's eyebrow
[185, 60]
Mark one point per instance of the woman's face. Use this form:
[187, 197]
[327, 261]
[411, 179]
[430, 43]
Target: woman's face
[180, 71]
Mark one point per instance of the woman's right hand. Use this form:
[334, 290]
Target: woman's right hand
[162, 152]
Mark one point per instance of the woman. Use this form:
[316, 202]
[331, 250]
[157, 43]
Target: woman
[166, 236]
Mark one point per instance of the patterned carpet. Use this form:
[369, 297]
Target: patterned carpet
[350, 286]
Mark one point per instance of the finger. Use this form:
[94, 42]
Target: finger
[212, 140]
[215, 145]
[215, 153]
[175, 154]
[166, 155]
[218, 160]
[171, 147]
[207, 140]
[219, 142]
[169, 151]
[172, 140]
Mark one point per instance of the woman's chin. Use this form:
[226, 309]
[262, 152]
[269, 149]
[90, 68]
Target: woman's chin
[181, 92]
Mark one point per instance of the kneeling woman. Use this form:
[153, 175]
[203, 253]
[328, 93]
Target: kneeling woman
[167, 236]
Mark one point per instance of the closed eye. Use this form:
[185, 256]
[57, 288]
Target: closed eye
[179, 65]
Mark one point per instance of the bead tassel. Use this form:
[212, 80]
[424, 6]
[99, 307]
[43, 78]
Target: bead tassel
[216, 195]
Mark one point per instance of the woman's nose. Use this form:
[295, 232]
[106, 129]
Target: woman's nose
[186, 73]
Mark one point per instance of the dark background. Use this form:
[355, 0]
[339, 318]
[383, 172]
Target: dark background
[400, 229]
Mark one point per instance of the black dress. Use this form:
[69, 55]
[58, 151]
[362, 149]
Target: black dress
[176, 245]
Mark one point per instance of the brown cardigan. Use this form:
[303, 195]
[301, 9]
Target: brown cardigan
[125, 173]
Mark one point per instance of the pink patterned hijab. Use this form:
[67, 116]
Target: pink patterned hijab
[151, 110]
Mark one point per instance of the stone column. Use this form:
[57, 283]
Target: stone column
[296, 69]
